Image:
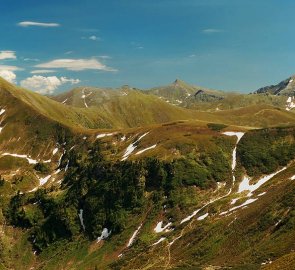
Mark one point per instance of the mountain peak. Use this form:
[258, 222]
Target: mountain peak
[286, 88]
[178, 82]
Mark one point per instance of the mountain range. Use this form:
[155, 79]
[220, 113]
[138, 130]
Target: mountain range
[173, 177]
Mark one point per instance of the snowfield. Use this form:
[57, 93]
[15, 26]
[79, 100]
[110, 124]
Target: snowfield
[132, 147]
[246, 186]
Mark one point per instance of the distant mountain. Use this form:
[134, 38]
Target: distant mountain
[182, 93]
[285, 88]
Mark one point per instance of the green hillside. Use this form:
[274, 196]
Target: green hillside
[178, 188]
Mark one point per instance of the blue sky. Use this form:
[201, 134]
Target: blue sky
[51, 46]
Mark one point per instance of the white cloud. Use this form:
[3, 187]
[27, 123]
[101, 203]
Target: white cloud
[94, 38]
[46, 85]
[7, 55]
[40, 24]
[8, 75]
[10, 68]
[69, 80]
[42, 71]
[32, 59]
[104, 57]
[211, 31]
[75, 64]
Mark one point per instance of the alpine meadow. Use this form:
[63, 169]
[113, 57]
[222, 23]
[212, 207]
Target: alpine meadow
[112, 156]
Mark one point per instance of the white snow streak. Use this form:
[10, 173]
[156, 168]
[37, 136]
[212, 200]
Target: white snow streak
[159, 241]
[84, 96]
[31, 161]
[44, 180]
[104, 135]
[146, 149]
[188, 218]
[246, 186]
[249, 201]
[131, 240]
[203, 216]
[81, 219]
[132, 147]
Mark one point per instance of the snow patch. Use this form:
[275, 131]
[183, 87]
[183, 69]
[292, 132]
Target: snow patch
[146, 149]
[159, 228]
[54, 151]
[261, 194]
[293, 177]
[246, 186]
[132, 147]
[31, 161]
[131, 240]
[188, 218]
[2, 111]
[104, 234]
[84, 96]
[239, 135]
[81, 219]
[249, 201]
[290, 103]
[44, 180]
[203, 216]
[67, 166]
[159, 241]
[233, 201]
[104, 135]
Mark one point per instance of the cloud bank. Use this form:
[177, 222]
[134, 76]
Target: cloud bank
[75, 64]
[8, 75]
[46, 85]
[7, 55]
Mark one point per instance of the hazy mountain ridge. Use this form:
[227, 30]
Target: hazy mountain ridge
[184, 95]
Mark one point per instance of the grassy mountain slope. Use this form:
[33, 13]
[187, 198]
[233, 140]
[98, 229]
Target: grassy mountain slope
[156, 162]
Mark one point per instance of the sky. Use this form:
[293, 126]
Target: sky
[234, 45]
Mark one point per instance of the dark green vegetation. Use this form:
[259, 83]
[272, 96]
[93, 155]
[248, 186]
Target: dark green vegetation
[109, 192]
[182, 164]
[264, 151]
